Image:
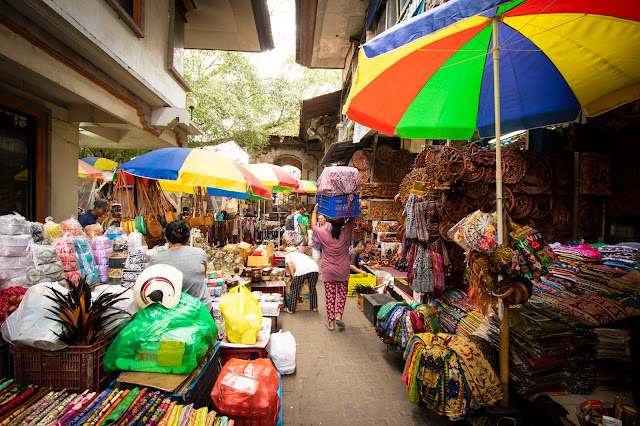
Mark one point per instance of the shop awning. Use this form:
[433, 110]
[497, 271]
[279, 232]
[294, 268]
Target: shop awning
[341, 152]
[328, 104]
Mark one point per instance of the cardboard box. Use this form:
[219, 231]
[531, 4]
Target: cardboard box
[304, 300]
[359, 304]
[258, 261]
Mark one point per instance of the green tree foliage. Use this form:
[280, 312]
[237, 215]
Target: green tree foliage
[118, 155]
[235, 104]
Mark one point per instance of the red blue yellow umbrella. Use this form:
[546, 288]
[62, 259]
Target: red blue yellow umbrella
[432, 76]
[85, 170]
[101, 163]
[220, 175]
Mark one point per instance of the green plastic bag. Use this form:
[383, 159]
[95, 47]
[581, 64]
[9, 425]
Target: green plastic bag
[162, 340]
[242, 316]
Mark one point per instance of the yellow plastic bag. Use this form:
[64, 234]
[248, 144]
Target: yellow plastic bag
[242, 316]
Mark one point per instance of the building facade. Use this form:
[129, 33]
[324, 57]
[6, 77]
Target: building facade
[101, 73]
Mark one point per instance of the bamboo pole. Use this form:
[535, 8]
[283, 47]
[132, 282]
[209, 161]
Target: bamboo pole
[504, 324]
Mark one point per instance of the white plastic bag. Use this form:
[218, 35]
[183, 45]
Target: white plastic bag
[29, 324]
[282, 351]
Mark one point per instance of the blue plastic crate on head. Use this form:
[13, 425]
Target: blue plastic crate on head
[339, 206]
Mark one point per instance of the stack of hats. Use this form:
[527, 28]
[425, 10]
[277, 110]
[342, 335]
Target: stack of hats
[15, 250]
[117, 259]
[134, 265]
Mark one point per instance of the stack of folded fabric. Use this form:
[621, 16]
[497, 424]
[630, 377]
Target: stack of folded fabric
[539, 350]
[455, 308]
[595, 278]
[614, 358]
[570, 259]
[397, 322]
[40, 405]
[620, 256]
[450, 374]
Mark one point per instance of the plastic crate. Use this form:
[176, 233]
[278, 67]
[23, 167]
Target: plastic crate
[359, 279]
[199, 393]
[6, 362]
[338, 206]
[242, 353]
[74, 368]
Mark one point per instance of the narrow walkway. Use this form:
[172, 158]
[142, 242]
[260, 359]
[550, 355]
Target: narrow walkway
[345, 377]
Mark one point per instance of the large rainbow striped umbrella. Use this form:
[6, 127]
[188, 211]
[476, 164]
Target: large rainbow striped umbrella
[273, 177]
[200, 167]
[433, 76]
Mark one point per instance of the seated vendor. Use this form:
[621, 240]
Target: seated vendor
[191, 261]
[354, 259]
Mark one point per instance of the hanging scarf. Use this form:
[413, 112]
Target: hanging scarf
[422, 271]
[420, 211]
[411, 231]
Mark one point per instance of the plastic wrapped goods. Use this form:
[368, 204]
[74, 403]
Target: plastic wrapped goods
[67, 255]
[338, 180]
[114, 232]
[86, 264]
[164, 340]
[102, 248]
[282, 351]
[248, 390]
[14, 224]
[71, 227]
[15, 245]
[242, 315]
[93, 230]
[37, 233]
[29, 324]
[51, 229]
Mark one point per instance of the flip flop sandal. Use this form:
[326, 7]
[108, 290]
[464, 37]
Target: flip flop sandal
[340, 323]
[329, 328]
[286, 311]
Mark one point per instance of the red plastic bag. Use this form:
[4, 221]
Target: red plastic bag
[248, 389]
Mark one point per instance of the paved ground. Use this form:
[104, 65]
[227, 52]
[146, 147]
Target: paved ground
[346, 376]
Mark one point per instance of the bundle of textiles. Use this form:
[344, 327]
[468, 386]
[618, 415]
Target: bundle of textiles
[15, 250]
[539, 348]
[397, 322]
[614, 358]
[457, 313]
[40, 405]
[620, 256]
[570, 259]
[580, 370]
[450, 373]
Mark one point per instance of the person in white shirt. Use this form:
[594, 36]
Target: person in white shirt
[301, 267]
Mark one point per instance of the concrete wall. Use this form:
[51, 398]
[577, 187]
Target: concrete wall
[144, 57]
[63, 181]
[298, 155]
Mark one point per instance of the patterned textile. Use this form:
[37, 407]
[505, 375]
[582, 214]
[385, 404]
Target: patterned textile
[423, 281]
[596, 310]
[450, 374]
[336, 295]
[338, 180]
[411, 232]
[421, 220]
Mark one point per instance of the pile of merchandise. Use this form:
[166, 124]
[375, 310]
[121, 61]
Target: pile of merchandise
[450, 373]
[397, 322]
[620, 256]
[614, 358]
[456, 313]
[15, 250]
[539, 348]
[41, 405]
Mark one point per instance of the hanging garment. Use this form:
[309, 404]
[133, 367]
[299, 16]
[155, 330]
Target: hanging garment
[411, 232]
[423, 271]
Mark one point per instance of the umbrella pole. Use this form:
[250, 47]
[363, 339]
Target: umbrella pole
[504, 323]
